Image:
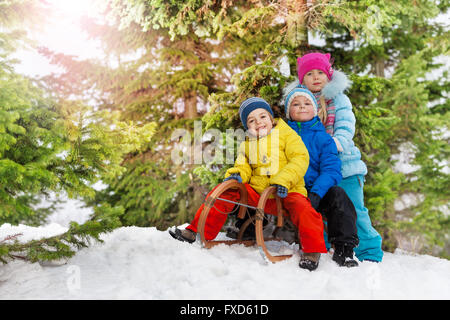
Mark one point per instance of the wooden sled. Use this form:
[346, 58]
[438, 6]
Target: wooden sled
[257, 220]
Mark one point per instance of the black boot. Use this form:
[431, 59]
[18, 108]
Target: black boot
[233, 233]
[309, 261]
[249, 233]
[343, 255]
[184, 235]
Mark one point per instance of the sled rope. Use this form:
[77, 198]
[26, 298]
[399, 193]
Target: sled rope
[260, 214]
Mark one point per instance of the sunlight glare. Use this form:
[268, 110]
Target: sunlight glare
[73, 8]
[63, 30]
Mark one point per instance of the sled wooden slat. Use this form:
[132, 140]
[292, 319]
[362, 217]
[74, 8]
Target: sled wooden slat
[259, 223]
[247, 243]
[213, 243]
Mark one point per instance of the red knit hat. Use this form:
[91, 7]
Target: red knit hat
[312, 61]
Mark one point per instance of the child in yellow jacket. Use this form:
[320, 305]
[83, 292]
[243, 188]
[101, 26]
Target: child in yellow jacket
[271, 155]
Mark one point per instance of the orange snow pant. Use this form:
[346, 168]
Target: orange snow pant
[308, 222]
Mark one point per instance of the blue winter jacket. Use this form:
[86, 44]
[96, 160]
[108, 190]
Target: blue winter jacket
[344, 125]
[324, 170]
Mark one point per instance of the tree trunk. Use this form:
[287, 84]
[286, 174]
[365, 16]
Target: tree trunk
[379, 68]
[190, 106]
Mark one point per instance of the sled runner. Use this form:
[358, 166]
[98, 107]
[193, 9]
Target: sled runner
[257, 220]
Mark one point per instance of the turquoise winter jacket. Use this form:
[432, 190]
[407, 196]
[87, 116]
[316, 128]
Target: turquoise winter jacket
[344, 125]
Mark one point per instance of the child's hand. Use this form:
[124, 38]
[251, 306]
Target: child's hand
[315, 200]
[235, 176]
[282, 192]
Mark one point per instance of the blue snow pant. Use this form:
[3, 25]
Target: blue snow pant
[369, 247]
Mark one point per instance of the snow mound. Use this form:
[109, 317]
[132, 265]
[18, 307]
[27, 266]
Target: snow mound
[144, 263]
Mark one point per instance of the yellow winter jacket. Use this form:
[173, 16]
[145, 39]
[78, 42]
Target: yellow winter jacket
[278, 158]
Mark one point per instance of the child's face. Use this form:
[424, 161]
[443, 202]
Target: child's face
[301, 109]
[259, 123]
[315, 80]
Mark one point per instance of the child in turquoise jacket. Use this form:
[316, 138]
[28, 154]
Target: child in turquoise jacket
[328, 85]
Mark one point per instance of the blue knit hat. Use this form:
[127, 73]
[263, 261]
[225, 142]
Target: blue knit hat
[252, 104]
[299, 91]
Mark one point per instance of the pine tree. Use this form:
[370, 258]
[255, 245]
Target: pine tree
[31, 131]
[52, 145]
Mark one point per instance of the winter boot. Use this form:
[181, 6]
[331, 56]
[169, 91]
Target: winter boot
[343, 255]
[249, 233]
[184, 235]
[309, 261]
[233, 231]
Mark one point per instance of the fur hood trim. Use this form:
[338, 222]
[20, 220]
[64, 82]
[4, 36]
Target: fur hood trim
[338, 84]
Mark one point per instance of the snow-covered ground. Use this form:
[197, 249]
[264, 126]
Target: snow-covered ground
[144, 263]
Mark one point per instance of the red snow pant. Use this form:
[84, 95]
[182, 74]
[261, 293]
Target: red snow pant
[308, 222]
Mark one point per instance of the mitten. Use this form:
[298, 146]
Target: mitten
[235, 176]
[315, 200]
[282, 192]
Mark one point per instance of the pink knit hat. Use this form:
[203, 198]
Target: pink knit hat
[312, 61]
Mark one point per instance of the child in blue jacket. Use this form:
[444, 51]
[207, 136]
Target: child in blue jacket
[323, 174]
[328, 86]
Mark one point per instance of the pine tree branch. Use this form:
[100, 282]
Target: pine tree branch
[64, 245]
